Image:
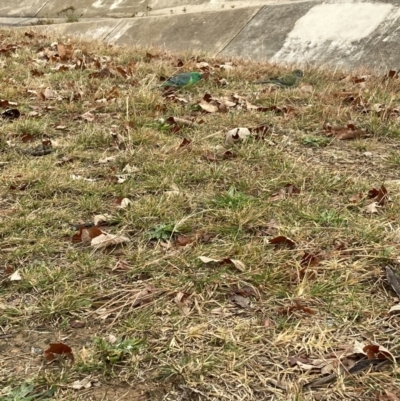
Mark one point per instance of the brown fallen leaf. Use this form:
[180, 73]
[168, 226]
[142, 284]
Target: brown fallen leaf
[344, 133]
[86, 235]
[310, 259]
[380, 196]
[236, 263]
[268, 323]
[87, 116]
[388, 396]
[185, 143]
[77, 324]
[376, 351]
[296, 307]
[391, 74]
[183, 240]
[184, 302]
[58, 349]
[282, 241]
[65, 52]
[284, 192]
[180, 121]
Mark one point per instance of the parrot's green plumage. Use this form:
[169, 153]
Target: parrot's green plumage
[287, 81]
[182, 79]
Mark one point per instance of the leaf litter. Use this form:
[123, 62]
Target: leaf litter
[111, 140]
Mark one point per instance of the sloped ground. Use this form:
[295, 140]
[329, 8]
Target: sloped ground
[298, 295]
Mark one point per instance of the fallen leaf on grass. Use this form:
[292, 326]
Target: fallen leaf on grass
[106, 160]
[57, 349]
[380, 196]
[27, 138]
[129, 169]
[237, 135]
[391, 74]
[183, 240]
[286, 191]
[125, 202]
[97, 238]
[209, 107]
[211, 104]
[240, 300]
[79, 177]
[184, 302]
[296, 307]
[182, 122]
[246, 291]
[80, 384]
[344, 133]
[86, 235]
[376, 351]
[77, 324]
[356, 198]
[87, 116]
[105, 240]
[395, 309]
[388, 396]
[65, 52]
[264, 229]
[49, 94]
[268, 323]
[236, 263]
[6, 103]
[185, 142]
[371, 208]
[101, 219]
[16, 276]
[306, 88]
[64, 160]
[214, 157]
[310, 259]
[282, 241]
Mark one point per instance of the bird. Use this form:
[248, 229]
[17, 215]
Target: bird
[287, 81]
[182, 79]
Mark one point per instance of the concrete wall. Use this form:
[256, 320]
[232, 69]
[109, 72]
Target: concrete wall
[345, 33]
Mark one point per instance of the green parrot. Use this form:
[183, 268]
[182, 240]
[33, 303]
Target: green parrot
[287, 81]
[182, 79]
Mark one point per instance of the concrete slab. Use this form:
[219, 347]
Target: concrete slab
[97, 30]
[266, 33]
[209, 32]
[341, 34]
[11, 21]
[169, 7]
[21, 8]
[94, 8]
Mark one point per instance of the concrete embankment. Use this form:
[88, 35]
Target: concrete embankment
[337, 33]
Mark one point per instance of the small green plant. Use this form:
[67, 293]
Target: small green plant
[316, 142]
[23, 393]
[162, 232]
[112, 353]
[233, 199]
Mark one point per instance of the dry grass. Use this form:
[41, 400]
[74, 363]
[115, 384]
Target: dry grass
[181, 330]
